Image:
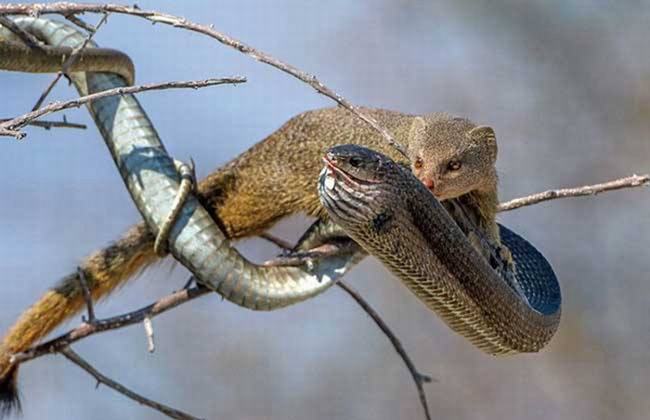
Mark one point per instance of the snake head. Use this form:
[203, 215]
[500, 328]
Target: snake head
[358, 165]
[357, 187]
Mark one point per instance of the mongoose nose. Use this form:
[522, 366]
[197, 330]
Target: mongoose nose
[428, 182]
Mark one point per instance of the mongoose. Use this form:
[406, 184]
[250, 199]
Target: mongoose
[273, 179]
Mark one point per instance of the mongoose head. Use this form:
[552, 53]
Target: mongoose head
[452, 156]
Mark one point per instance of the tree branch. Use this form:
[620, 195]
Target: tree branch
[67, 9]
[51, 124]
[72, 356]
[617, 184]
[80, 23]
[12, 127]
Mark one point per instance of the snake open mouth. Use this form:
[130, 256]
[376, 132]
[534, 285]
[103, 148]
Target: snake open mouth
[348, 178]
[333, 171]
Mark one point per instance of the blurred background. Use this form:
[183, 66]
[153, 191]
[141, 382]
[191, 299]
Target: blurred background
[565, 84]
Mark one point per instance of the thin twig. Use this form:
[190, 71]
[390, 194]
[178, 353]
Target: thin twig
[418, 377]
[72, 356]
[80, 23]
[188, 284]
[12, 127]
[617, 184]
[51, 124]
[135, 317]
[65, 9]
[29, 39]
[67, 63]
[87, 296]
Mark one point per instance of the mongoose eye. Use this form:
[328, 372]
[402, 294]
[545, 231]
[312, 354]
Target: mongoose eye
[355, 161]
[418, 163]
[454, 165]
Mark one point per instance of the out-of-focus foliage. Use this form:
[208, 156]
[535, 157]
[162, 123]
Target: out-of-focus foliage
[565, 84]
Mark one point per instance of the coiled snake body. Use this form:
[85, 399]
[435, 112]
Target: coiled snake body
[388, 211]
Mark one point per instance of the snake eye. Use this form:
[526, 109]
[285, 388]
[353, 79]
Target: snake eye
[418, 163]
[355, 161]
[454, 165]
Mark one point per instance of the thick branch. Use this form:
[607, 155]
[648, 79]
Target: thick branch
[617, 184]
[12, 127]
[72, 356]
[67, 9]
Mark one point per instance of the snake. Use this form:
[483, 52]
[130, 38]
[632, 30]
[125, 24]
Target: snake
[16, 56]
[380, 205]
[384, 208]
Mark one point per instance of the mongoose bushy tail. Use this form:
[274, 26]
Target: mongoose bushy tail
[104, 271]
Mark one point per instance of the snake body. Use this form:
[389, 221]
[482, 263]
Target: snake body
[47, 59]
[387, 210]
[395, 219]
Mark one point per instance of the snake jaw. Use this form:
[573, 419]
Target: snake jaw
[332, 177]
[333, 171]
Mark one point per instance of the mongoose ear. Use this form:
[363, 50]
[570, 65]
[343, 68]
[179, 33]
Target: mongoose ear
[482, 132]
[418, 129]
[485, 133]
